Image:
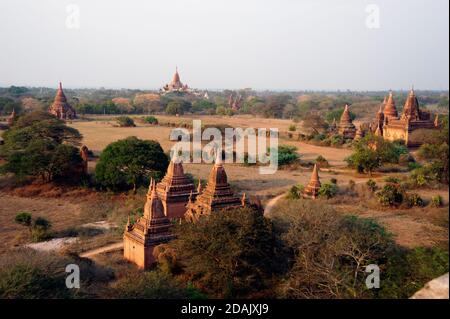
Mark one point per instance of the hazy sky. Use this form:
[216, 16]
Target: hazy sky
[262, 44]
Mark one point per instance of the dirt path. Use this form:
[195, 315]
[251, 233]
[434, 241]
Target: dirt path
[101, 250]
[271, 203]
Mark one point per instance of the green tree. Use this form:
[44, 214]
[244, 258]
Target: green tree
[437, 153]
[178, 106]
[125, 121]
[40, 145]
[128, 163]
[287, 154]
[203, 105]
[7, 105]
[151, 120]
[372, 151]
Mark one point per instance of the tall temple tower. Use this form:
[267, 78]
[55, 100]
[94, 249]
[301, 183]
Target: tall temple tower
[152, 229]
[216, 196]
[390, 111]
[175, 189]
[346, 127]
[60, 107]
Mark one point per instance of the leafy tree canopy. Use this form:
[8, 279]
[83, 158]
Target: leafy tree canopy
[128, 163]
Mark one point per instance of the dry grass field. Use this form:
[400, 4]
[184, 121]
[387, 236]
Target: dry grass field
[66, 210]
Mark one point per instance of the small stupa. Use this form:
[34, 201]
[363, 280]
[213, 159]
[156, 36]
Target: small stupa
[312, 189]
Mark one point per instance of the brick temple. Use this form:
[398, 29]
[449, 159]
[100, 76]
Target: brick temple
[174, 190]
[150, 230]
[216, 196]
[409, 126]
[60, 107]
[175, 85]
[346, 128]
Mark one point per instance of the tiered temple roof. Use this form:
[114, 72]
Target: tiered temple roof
[346, 127]
[411, 119]
[152, 229]
[175, 189]
[390, 111]
[175, 84]
[312, 189]
[60, 107]
[216, 196]
[411, 109]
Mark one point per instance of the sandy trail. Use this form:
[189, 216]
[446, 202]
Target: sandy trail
[101, 250]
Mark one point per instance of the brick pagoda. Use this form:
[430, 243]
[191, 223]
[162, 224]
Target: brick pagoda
[346, 128]
[312, 189]
[150, 230]
[216, 196]
[174, 190]
[60, 107]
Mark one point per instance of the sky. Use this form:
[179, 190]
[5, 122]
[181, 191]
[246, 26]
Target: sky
[226, 44]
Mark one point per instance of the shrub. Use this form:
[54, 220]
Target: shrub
[23, 219]
[322, 161]
[390, 195]
[292, 128]
[328, 190]
[151, 120]
[287, 154]
[437, 201]
[413, 165]
[336, 140]
[229, 254]
[40, 230]
[409, 270]
[295, 192]
[30, 274]
[149, 285]
[425, 175]
[125, 121]
[333, 180]
[391, 179]
[325, 247]
[39, 227]
[372, 185]
[414, 199]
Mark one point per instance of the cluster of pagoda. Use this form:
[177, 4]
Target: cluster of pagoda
[388, 124]
[176, 198]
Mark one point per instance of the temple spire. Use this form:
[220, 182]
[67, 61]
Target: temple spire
[218, 160]
[390, 111]
[312, 189]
